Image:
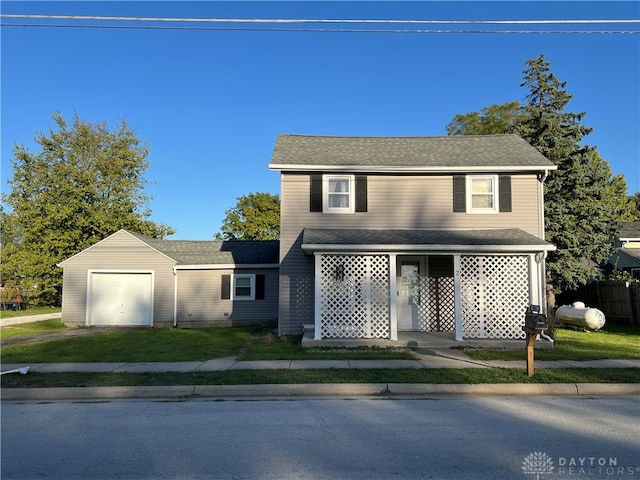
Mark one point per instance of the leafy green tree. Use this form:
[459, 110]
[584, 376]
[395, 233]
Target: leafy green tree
[496, 119]
[584, 202]
[256, 216]
[85, 183]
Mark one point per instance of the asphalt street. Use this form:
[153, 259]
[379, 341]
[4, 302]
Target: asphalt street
[438, 437]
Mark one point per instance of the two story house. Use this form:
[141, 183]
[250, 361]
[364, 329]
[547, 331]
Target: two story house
[381, 235]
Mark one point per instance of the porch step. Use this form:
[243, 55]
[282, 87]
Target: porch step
[308, 327]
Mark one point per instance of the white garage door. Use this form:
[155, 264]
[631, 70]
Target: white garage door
[120, 298]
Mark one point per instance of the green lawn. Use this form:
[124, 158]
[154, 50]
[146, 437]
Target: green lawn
[32, 328]
[149, 345]
[613, 341]
[136, 345]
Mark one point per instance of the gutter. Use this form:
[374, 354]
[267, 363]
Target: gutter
[311, 248]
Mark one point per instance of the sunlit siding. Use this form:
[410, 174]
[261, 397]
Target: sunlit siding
[394, 202]
[118, 252]
[200, 302]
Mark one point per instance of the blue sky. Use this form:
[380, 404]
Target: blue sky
[211, 102]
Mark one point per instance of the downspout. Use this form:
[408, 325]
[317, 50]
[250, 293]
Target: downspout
[175, 297]
[541, 178]
[543, 264]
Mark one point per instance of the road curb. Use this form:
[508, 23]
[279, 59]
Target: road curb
[315, 389]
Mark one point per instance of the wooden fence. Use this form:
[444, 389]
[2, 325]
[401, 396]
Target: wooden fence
[618, 300]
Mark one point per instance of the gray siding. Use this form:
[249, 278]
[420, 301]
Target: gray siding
[121, 251]
[200, 303]
[394, 202]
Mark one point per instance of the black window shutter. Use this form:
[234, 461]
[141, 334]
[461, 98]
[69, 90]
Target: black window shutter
[315, 203]
[260, 281]
[225, 291]
[459, 197]
[504, 191]
[361, 193]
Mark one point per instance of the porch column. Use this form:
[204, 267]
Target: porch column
[534, 280]
[317, 314]
[457, 295]
[393, 299]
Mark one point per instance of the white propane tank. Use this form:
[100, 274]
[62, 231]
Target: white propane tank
[580, 316]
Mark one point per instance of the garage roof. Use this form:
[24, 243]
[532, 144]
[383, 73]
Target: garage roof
[216, 252]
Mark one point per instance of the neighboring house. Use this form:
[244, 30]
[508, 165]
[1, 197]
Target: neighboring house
[128, 279]
[627, 254]
[386, 234]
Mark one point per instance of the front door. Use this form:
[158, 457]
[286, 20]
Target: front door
[409, 295]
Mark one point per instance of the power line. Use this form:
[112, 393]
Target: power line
[327, 30]
[275, 24]
[318, 20]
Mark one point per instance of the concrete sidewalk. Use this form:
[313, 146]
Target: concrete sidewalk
[449, 359]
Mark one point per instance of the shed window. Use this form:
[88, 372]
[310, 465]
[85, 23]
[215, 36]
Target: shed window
[244, 287]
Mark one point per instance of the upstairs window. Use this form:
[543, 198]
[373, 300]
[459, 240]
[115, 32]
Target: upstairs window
[482, 193]
[338, 194]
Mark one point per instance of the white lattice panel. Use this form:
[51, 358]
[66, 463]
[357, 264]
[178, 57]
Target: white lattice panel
[437, 306]
[494, 295]
[354, 299]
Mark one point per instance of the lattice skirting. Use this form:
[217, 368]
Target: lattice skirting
[355, 297]
[494, 295]
[354, 301]
[437, 312]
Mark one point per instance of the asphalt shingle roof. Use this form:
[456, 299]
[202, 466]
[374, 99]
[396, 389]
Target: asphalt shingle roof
[216, 252]
[440, 238]
[297, 152]
[630, 230]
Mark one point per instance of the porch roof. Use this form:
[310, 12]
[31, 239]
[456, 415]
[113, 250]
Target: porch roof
[503, 240]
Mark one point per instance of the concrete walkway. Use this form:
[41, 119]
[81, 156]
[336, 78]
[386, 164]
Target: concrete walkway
[425, 360]
[6, 322]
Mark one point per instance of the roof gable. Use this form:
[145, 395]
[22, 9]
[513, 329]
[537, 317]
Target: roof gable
[407, 154]
[207, 252]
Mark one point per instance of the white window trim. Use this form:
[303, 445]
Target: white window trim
[469, 194]
[252, 278]
[325, 194]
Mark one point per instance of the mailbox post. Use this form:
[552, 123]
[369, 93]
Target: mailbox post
[534, 323]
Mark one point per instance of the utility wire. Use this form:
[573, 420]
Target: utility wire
[248, 22]
[326, 30]
[293, 20]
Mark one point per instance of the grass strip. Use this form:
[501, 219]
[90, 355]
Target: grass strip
[260, 377]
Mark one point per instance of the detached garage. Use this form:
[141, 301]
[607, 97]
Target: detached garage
[128, 279]
[120, 298]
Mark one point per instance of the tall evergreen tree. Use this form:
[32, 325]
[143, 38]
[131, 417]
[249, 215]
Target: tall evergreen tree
[584, 202]
[581, 217]
[85, 183]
